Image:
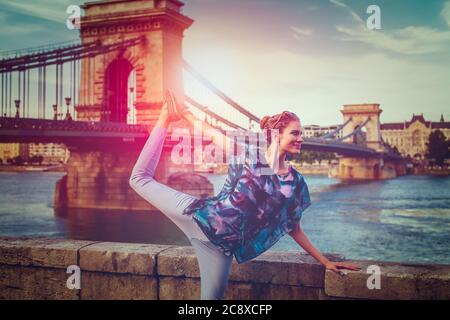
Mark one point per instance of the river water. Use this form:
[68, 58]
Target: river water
[404, 219]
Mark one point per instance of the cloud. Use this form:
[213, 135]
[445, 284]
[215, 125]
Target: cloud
[19, 30]
[9, 28]
[354, 15]
[446, 13]
[301, 32]
[306, 84]
[338, 3]
[313, 8]
[44, 9]
[409, 40]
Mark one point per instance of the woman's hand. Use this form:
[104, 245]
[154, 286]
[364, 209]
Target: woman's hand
[336, 266]
[163, 120]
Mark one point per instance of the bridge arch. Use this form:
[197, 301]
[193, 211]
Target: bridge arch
[119, 85]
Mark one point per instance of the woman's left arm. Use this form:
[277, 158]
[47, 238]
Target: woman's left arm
[300, 237]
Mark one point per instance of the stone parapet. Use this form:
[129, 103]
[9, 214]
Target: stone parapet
[36, 268]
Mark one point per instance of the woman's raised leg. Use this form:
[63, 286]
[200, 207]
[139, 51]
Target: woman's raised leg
[214, 265]
[167, 200]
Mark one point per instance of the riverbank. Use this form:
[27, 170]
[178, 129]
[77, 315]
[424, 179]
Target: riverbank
[42, 168]
[37, 269]
[324, 169]
[312, 169]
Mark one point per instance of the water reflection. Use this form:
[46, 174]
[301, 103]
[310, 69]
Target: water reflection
[119, 226]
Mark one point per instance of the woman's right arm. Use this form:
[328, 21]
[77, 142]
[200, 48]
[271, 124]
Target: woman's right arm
[218, 137]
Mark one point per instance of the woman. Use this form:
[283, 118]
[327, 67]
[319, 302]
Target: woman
[249, 215]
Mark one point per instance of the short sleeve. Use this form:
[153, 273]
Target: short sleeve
[303, 201]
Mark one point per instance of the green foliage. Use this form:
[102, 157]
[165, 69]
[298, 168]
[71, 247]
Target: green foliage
[311, 156]
[438, 147]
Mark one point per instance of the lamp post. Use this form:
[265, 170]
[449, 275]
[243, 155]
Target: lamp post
[68, 116]
[17, 103]
[55, 112]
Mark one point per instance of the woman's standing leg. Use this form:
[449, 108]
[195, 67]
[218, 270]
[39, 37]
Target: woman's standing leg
[214, 267]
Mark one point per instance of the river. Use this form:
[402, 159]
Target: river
[405, 219]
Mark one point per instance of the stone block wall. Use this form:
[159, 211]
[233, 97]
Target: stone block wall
[36, 268]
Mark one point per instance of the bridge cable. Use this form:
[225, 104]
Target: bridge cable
[23, 93]
[60, 103]
[212, 114]
[57, 89]
[339, 128]
[219, 93]
[10, 94]
[355, 131]
[1, 115]
[39, 91]
[44, 89]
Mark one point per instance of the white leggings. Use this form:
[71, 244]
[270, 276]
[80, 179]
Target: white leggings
[214, 264]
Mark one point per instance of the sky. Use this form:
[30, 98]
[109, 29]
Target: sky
[309, 57]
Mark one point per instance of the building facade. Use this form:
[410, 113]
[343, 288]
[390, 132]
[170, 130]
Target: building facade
[51, 152]
[410, 137]
[317, 131]
[12, 150]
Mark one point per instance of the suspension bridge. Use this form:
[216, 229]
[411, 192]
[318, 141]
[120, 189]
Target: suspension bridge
[99, 94]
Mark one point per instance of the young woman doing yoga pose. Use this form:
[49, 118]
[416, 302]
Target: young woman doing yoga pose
[251, 212]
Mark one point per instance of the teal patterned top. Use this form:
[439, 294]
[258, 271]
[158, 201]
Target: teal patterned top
[251, 212]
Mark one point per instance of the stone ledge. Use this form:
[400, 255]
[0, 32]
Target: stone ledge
[117, 257]
[300, 269]
[36, 269]
[113, 286]
[180, 288]
[45, 252]
[399, 281]
[31, 283]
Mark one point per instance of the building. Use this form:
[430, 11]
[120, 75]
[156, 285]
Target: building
[12, 150]
[410, 137]
[317, 131]
[51, 152]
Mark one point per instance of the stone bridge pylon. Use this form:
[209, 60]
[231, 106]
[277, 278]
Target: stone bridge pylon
[98, 178]
[147, 68]
[365, 116]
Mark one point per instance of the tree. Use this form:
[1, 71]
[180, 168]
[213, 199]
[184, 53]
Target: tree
[311, 156]
[438, 147]
[18, 161]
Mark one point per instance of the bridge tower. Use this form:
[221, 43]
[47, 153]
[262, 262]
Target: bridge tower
[141, 72]
[97, 177]
[360, 168]
[359, 113]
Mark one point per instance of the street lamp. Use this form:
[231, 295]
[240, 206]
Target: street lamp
[68, 116]
[55, 112]
[17, 103]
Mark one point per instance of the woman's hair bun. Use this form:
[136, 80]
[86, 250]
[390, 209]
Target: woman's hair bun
[264, 121]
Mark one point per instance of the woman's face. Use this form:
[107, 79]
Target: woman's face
[291, 138]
